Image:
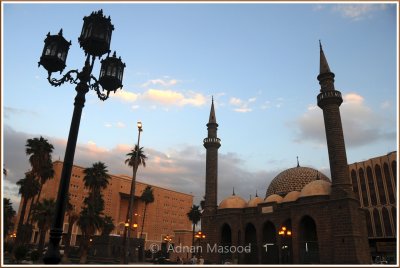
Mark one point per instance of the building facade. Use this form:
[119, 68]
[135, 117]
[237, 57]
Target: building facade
[305, 217]
[165, 215]
[374, 184]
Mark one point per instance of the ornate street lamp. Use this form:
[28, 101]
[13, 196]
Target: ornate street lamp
[95, 41]
[127, 231]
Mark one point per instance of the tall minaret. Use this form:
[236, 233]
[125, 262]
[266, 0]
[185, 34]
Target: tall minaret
[349, 237]
[329, 101]
[211, 143]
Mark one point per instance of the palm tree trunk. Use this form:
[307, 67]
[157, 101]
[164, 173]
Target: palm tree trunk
[33, 204]
[67, 244]
[84, 250]
[21, 222]
[41, 240]
[144, 216]
[194, 225]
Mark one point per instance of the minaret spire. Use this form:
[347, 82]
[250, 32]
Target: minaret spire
[212, 119]
[323, 63]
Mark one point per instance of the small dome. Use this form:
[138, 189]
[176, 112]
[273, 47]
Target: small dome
[273, 198]
[317, 187]
[233, 201]
[294, 179]
[290, 197]
[255, 201]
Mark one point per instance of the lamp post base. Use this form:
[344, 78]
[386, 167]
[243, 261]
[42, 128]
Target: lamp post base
[53, 255]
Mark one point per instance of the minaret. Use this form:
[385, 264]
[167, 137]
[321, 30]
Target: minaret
[211, 143]
[208, 223]
[329, 101]
[349, 237]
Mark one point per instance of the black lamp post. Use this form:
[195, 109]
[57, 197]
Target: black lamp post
[95, 41]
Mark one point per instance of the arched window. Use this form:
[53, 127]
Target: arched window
[308, 246]
[355, 184]
[226, 241]
[271, 254]
[250, 237]
[369, 224]
[381, 188]
[393, 209]
[371, 186]
[394, 172]
[378, 224]
[389, 185]
[386, 222]
[363, 187]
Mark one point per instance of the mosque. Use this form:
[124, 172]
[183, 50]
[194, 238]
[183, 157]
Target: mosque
[305, 217]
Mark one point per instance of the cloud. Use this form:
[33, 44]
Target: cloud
[358, 11]
[361, 125]
[161, 82]
[241, 106]
[169, 97]
[10, 111]
[181, 168]
[126, 96]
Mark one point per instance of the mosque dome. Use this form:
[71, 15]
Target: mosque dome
[318, 187]
[273, 198]
[294, 179]
[233, 201]
[290, 197]
[255, 201]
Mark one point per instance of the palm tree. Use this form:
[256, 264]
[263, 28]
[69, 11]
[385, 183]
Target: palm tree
[194, 216]
[9, 213]
[28, 188]
[96, 178]
[43, 215]
[73, 216]
[132, 156]
[39, 151]
[147, 197]
[90, 220]
[107, 226]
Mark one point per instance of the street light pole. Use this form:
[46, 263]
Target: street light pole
[127, 232]
[95, 40]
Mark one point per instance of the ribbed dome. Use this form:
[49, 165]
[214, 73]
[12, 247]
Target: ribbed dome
[255, 201]
[290, 197]
[233, 201]
[318, 187]
[294, 179]
[273, 198]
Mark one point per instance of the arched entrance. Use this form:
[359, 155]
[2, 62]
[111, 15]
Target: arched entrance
[269, 247]
[309, 252]
[250, 237]
[285, 235]
[226, 241]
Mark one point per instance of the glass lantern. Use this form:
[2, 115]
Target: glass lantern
[55, 51]
[111, 73]
[96, 32]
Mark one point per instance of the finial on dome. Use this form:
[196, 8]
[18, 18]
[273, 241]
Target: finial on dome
[298, 164]
[256, 194]
[233, 191]
[317, 175]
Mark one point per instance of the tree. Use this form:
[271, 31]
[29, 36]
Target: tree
[132, 156]
[90, 220]
[39, 151]
[147, 197]
[107, 226]
[28, 188]
[43, 215]
[9, 214]
[194, 216]
[73, 216]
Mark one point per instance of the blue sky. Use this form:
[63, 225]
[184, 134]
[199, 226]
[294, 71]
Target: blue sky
[259, 61]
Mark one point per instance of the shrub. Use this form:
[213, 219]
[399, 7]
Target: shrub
[20, 252]
[35, 255]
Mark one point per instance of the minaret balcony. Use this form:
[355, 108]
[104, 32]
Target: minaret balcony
[329, 97]
[212, 141]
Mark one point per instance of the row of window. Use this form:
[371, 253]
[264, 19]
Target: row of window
[380, 223]
[375, 187]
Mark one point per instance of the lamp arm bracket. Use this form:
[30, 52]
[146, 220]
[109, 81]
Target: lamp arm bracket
[66, 78]
[96, 87]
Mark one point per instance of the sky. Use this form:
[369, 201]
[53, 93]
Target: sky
[259, 61]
